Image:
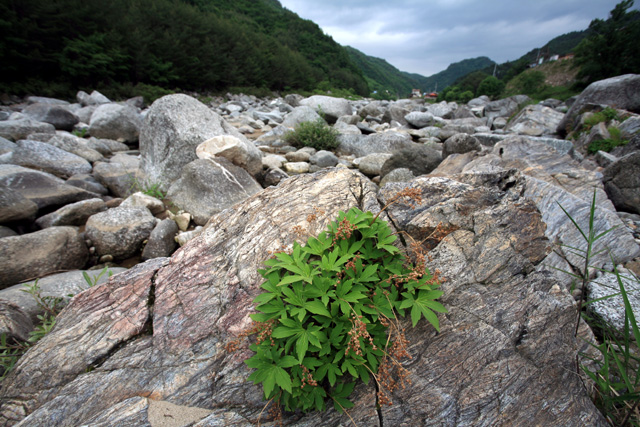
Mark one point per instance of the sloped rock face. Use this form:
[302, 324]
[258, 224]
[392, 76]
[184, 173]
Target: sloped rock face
[201, 299]
[157, 332]
[506, 349]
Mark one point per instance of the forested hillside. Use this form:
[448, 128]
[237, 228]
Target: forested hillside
[61, 46]
[383, 77]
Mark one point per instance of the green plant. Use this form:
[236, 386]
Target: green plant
[10, 349]
[149, 188]
[93, 281]
[316, 134]
[616, 369]
[329, 314]
[80, 133]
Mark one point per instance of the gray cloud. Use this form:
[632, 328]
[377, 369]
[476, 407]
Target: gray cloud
[424, 37]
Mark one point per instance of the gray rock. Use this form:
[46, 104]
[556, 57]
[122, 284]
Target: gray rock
[630, 127]
[293, 99]
[118, 175]
[297, 156]
[22, 128]
[397, 175]
[162, 240]
[60, 117]
[622, 92]
[207, 187]
[119, 232]
[269, 117]
[61, 285]
[396, 113]
[14, 322]
[44, 100]
[420, 159]
[116, 121]
[295, 168]
[324, 159]
[499, 123]
[345, 128]
[72, 214]
[112, 146]
[239, 152]
[371, 165]
[37, 254]
[14, 206]
[96, 98]
[273, 176]
[622, 183]
[442, 110]
[489, 279]
[331, 108]
[535, 120]
[84, 114]
[174, 126]
[45, 190]
[77, 146]
[460, 143]
[611, 309]
[141, 200]
[6, 146]
[88, 183]
[554, 180]
[273, 161]
[479, 102]
[361, 145]
[47, 158]
[6, 232]
[299, 115]
[604, 159]
[419, 119]
[504, 107]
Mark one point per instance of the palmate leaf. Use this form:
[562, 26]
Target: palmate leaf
[423, 305]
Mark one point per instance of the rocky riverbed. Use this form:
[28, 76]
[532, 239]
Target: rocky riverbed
[77, 187]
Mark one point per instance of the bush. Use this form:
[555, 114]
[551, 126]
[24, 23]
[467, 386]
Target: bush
[329, 313]
[491, 86]
[316, 134]
[465, 97]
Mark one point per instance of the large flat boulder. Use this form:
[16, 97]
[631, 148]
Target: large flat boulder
[157, 332]
[37, 254]
[43, 189]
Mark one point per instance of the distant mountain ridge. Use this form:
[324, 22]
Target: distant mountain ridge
[382, 76]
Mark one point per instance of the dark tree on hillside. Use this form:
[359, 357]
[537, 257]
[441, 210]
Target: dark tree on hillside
[613, 46]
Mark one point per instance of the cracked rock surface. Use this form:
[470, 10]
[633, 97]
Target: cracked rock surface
[505, 354]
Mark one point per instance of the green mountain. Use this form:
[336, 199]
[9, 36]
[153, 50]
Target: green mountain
[383, 76]
[58, 47]
[454, 72]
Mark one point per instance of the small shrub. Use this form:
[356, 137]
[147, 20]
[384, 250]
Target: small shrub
[149, 188]
[315, 134]
[329, 314]
[80, 133]
[465, 97]
[607, 144]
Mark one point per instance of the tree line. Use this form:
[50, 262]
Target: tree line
[209, 45]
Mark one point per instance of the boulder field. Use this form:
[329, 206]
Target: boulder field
[149, 345]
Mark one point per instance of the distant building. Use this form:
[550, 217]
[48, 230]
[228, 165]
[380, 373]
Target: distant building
[432, 95]
[567, 56]
[415, 93]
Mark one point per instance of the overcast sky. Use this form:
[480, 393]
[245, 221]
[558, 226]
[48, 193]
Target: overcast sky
[425, 36]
